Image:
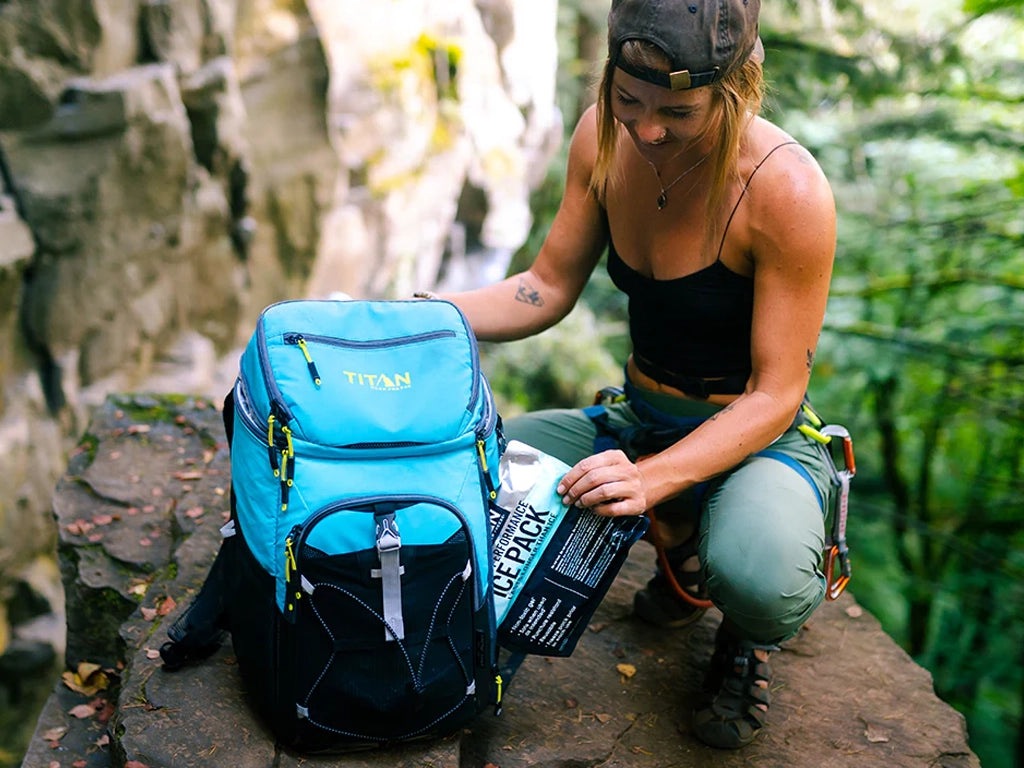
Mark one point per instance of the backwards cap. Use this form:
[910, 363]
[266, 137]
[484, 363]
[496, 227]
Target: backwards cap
[705, 39]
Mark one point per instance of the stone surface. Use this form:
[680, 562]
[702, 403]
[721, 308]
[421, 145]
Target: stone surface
[844, 693]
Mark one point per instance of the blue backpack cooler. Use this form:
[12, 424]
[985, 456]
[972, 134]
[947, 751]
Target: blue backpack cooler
[355, 576]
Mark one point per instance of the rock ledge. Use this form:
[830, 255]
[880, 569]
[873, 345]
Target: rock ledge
[139, 511]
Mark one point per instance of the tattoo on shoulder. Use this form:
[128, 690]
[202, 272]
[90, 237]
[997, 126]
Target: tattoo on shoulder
[801, 154]
[528, 294]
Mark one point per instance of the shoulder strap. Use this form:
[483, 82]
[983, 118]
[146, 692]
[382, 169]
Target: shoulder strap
[743, 192]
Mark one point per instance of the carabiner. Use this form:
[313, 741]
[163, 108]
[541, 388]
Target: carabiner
[837, 430]
[835, 584]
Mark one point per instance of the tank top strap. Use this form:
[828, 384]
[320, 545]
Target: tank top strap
[743, 192]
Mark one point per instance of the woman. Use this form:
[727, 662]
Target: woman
[721, 230]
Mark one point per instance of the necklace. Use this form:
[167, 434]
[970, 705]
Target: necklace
[663, 197]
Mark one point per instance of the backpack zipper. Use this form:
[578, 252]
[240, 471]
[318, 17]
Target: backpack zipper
[301, 341]
[297, 536]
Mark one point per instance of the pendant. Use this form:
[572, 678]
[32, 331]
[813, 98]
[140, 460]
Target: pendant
[662, 200]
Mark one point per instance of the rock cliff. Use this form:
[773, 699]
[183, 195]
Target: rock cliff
[167, 169]
[138, 513]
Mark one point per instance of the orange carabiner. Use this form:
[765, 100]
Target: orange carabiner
[836, 583]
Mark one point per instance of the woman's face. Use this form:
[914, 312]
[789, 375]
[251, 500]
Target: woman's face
[662, 123]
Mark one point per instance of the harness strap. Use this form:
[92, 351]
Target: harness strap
[800, 469]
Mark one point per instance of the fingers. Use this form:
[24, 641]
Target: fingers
[607, 483]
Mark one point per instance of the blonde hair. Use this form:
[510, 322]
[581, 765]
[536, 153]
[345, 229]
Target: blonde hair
[735, 100]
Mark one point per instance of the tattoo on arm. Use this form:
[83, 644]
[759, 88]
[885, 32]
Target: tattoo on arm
[810, 360]
[718, 413]
[528, 295]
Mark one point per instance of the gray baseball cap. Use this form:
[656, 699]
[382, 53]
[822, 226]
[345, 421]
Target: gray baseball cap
[705, 39]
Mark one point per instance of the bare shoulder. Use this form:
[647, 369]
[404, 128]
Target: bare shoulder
[583, 146]
[791, 202]
[787, 174]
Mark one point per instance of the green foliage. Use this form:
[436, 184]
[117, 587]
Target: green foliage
[916, 113]
[560, 368]
[981, 7]
[922, 349]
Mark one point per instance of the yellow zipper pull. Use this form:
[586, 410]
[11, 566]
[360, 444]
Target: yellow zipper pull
[290, 567]
[272, 450]
[289, 559]
[287, 467]
[481, 450]
[497, 702]
[309, 360]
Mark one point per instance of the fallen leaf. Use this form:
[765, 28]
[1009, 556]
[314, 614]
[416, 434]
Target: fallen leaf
[194, 512]
[148, 613]
[79, 527]
[135, 764]
[136, 429]
[103, 740]
[105, 712]
[157, 491]
[876, 735]
[152, 653]
[54, 734]
[79, 764]
[102, 519]
[626, 670]
[166, 606]
[82, 711]
[88, 679]
[54, 764]
[854, 611]
[571, 703]
[604, 717]
[144, 542]
[138, 589]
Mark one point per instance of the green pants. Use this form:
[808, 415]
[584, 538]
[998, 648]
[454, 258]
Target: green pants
[761, 524]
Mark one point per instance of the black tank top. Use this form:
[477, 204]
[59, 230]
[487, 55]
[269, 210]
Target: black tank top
[692, 332]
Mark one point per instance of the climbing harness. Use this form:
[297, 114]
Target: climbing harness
[838, 570]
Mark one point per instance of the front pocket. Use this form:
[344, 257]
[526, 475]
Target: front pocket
[352, 393]
[354, 680]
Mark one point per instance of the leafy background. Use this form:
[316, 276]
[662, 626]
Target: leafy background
[916, 112]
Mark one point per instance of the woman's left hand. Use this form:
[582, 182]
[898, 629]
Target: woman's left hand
[607, 483]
